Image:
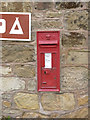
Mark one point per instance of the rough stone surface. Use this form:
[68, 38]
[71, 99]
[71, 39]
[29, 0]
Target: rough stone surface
[58, 101]
[26, 101]
[34, 115]
[74, 78]
[68, 5]
[11, 113]
[77, 57]
[73, 39]
[27, 6]
[50, 14]
[55, 115]
[5, 70]
[3, 6]
[17, 53]
[43, 5]
[0, 8]
[83, 100]
[32, 84]
[6, 96]
[15, 7]
[6, 104]
[11, 83]
[47, 24]
[24, 71]
[76, 20]
[82, 113]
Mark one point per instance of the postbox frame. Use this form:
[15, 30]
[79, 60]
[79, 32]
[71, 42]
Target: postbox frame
[38, 60]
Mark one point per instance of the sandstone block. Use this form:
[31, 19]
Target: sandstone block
[34, 115]
[15, 7]
[17, 53]
[53, 14]
[74, 78]
[47, 24]
[68, 5]
[12, 113]
[6, 104]
[11, 83]
[0, 7]
[3, 6]
[76, 20]
[27, 6]
[24, 71]
[82, 113]
[26, 101]
[32, 84]
[77, 57]
[5, 70]
[83, 100]
[58, 101]
[73, 39]
[43, 5]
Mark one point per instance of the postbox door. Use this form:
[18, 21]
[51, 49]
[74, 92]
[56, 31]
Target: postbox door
[48, 70]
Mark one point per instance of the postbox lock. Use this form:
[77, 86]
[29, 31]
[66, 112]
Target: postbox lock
[47, 72]
[44, 72]
[48, 37]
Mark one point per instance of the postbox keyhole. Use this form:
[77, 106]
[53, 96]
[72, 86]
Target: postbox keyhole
[44, 72]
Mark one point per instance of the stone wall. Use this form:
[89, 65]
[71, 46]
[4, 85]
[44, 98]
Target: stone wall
[19, 63]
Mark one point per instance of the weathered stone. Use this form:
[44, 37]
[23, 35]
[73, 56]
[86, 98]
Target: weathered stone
[77, 57]
[6, 104]
[26, 101]
[0, 52]
[11, 83]
[53, 14]
[12, 113]
[68, 5]
[17, 53]
[32, 84]
[5, 70]
[43, 5]
[83, 100]
[58, 101]
[24, 71]
[0, 7]
[47, 24]
[76, 20]
[7, 96]
[4, 6]
[62, 58]
[15, 7]
[36, 15]
[55, 115]
[27, 6]
[74, 78]
[73, 39]
[34, 115]
[82, 113]
[67, 101]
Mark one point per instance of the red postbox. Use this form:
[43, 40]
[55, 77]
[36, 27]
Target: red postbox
[48, 60]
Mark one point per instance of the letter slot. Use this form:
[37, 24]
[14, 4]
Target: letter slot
[48, 60]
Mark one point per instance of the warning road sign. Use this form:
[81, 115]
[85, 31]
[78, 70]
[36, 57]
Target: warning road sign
[15, 26]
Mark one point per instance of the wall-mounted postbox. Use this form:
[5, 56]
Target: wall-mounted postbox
[48, 60]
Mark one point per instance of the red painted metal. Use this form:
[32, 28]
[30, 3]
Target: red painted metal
[48, 78]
